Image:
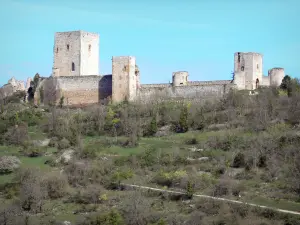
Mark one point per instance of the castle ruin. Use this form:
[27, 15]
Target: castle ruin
[75, 76]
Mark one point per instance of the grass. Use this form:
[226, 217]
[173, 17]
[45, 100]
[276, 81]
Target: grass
[281, 204]
[36, 134]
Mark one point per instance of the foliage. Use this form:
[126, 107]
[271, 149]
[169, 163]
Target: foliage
[61, 101]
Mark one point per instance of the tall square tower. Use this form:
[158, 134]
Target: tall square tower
[124, 78]
[76, 53]
[248, 66]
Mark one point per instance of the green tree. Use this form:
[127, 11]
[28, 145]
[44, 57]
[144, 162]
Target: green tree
[152, 127]
[61, 101]
[190, 189]
[183, 120]
[286, 81]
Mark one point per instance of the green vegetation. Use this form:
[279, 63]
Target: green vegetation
[61, 164]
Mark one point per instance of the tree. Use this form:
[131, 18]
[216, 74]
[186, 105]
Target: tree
[61, 101]
[286, 81]
[183, 120]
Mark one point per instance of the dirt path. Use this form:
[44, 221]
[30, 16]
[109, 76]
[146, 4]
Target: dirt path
[214, 198]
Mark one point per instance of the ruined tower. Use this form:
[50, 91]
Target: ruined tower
[76, 53]
[248, 70]
[180, 78]
[276, 76]
[124, 78]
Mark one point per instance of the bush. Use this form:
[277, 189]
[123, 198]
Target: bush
[8, 164]
[152, 129]
[112, 217]
[53, 142]
[17, 135]
[191, 141]
[239, 160]
[169, 178]
[56, 185]
[63, 144]
[32, 151]
[92, 194]
[32, 191]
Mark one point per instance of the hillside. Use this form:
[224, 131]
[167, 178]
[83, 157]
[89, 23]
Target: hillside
[62, 165]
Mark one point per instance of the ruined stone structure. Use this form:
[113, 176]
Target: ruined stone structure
[75, 76]
[11, 87]
[248, 72]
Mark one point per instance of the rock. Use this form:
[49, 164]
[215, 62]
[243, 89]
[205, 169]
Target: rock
[8, 164]
[66, 156]
[199, 159]
[215, 127]
[41, 143]
[67, 223]
[163, 131]
[203, 158]
[194, 149]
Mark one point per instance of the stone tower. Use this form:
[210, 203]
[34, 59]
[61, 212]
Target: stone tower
[124, 78]
[76, 53]
[180, 78]
[276, 76]
[248, 70]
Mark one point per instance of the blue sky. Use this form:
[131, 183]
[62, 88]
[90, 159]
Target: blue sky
[165, 36]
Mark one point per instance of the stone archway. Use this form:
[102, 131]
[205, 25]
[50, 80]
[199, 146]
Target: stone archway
[257, 83]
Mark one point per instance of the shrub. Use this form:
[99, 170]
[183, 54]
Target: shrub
[152, 129]
[190, 190]
[63, 144]
[53, 142]
[92, 194]
[56, 185]
[262, 161]
[8, 164]
[32, 151]
[32, 192]
[112, 217]
[17, 135]
[169, 178]
[191, 141]
[239, 160]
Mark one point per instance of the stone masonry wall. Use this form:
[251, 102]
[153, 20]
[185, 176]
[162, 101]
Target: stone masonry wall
[186, 92]
[252, 65]
[124, 78]
[89, 64]
[77, 90]
[66, 51]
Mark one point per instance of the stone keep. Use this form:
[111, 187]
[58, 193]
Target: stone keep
[124, 78]
[248, 70]
[76, 53]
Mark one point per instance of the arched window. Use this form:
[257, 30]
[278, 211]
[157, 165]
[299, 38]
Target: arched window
[73, 66]
[68, 47]
[242, 68]
[90, 47]
[257, 83]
